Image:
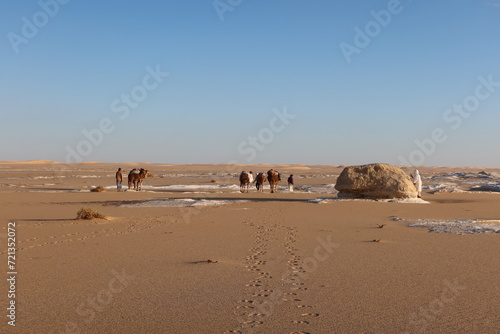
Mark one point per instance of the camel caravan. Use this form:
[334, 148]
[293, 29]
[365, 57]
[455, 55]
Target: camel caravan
[137, 176]
[273, 177]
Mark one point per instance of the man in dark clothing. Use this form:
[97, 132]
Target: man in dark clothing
[119, 179]
[290, 183]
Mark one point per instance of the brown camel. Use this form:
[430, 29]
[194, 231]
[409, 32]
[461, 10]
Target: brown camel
[274, 177]
[244, 181]
[259, 181]
[136, 177]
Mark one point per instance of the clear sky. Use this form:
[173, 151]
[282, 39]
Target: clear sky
[251, 81]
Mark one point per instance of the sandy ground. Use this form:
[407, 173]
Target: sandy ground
[279, 263]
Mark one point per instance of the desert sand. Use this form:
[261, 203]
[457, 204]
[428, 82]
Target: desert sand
[191, 254]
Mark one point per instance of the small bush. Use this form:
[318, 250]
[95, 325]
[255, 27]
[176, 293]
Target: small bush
[98, 189]
[89, 214]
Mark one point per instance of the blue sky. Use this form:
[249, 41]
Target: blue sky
[228, 79]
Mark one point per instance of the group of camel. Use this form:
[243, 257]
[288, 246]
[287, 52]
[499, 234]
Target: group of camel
[246, 179]
[136, 178]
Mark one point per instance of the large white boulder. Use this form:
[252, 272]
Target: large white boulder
[375, 181]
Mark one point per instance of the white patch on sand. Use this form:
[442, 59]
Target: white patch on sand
[443, 187]
[456, 226]
[194, 187]
[178, 203]
[464, 182]
[492, 187]
[318, 189]
[322, 200]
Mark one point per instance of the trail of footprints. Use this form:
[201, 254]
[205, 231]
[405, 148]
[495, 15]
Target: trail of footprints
[71, 237]
[298, 282]
[251, 310]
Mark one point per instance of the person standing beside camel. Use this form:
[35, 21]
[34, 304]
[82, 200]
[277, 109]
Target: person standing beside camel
[290, 182]
[119, 179]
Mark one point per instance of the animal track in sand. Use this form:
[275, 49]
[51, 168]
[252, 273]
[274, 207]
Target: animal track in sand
[27, 240]
[86, 236]
[256, 315]
[247, 301]
[309, 315]
[269, 243]
[253, 323]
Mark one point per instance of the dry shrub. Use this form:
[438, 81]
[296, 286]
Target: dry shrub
[89, 214]
[98, 189]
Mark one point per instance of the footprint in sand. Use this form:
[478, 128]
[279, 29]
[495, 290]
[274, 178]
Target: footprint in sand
[256, 315]
[251, 267]
[247, 301]
[309, 315]
[253, 323]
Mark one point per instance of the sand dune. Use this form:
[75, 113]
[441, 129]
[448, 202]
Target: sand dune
[29, 162]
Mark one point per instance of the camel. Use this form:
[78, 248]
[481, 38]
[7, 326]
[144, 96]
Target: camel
[259, 181]
[136, 177]
[274, 177]
[245, 180]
